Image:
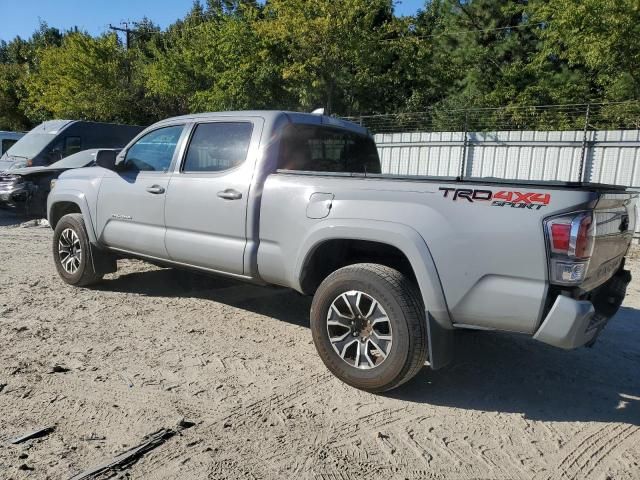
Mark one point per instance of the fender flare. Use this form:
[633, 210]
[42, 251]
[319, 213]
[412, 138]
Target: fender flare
[414, 247]
[77, 197]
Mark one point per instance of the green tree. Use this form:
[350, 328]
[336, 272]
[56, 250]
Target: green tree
[17, 58]
[12, 117]
[332, 53]
[83, 78]
[217, 64]
[599, 35]
[350, 56]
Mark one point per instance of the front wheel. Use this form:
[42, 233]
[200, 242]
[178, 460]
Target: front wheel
[71, 252]
[368, 325]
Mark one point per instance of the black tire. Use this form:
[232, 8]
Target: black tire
[85, 274]
[404, 309]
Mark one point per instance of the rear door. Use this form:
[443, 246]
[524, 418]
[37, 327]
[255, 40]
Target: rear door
[206, 205]
[130, 212]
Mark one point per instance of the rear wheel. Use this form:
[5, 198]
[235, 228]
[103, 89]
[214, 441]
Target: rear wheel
[368, 325]
[71, 252]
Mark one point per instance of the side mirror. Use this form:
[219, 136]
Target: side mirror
[106, 159]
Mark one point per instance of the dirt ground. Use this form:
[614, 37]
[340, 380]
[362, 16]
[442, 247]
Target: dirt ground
[151, 346]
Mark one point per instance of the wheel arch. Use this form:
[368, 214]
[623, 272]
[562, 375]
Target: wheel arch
[390, 237]
[67, 202]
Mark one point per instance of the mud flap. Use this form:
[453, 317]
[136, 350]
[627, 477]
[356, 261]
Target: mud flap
[103, 261]
[440, 343]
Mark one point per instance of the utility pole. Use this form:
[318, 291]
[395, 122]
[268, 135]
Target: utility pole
[127, 44]
[126, 30]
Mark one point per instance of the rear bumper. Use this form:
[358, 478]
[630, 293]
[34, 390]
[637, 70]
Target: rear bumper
[573, 323]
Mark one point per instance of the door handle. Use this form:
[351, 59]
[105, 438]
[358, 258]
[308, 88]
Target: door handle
[230, 194]
[155, 189]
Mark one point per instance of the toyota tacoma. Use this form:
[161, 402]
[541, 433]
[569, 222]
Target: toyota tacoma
[394, 264]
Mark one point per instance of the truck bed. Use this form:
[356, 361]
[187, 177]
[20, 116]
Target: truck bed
[491, 257]
[601, 187]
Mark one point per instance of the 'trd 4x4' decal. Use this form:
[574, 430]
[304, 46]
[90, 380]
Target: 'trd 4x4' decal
[503, 198]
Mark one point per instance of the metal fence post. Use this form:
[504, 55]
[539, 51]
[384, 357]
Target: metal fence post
[465, 145]
[583, 153]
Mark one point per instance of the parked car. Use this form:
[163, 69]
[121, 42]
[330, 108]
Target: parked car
[394, 264]
[7, 139]
[25, 190]
[56, 139]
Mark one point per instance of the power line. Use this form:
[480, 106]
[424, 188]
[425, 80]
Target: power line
[555, 107]
[573, 116]
[207, 17]
[467, 32]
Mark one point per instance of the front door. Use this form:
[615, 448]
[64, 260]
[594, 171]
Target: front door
[206, 206]
[130, 213]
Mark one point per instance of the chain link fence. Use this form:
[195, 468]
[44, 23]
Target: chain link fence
[585, 116]
[592, 143]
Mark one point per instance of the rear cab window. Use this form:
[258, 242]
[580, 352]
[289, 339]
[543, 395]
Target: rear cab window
[319, 148]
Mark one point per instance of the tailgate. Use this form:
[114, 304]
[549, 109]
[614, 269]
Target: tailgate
[615, 219]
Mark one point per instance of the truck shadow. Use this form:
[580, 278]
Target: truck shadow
[280, 303]
[509, 373]
[491, 372]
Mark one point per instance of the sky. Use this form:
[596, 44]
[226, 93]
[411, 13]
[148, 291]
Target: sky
[22, 17]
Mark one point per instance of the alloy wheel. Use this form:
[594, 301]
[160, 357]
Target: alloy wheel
[69, 251]
[359, 329]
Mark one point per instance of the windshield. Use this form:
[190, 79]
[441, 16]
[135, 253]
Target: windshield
[30, 145]
[77, 160]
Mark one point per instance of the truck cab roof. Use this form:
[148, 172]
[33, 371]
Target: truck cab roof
[274, 116]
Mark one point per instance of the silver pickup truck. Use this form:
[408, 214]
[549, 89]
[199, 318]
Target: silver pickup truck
[395, 264]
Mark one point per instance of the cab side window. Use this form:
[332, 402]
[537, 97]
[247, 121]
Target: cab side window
[218, 146]
[154, 151]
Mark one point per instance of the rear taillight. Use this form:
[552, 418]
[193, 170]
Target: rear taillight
[570, 240]
[560, 233]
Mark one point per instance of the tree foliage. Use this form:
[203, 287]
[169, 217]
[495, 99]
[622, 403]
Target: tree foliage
[349, 56]
[84, 77]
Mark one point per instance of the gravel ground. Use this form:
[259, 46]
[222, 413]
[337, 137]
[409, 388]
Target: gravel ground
[151, 346]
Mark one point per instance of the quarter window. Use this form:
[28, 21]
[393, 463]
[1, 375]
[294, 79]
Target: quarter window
[154, 151]
[218, 146]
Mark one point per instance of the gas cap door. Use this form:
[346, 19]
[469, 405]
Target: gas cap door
[319, 205]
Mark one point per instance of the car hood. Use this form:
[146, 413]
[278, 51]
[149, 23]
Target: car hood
[6, 163]
[34, 170]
